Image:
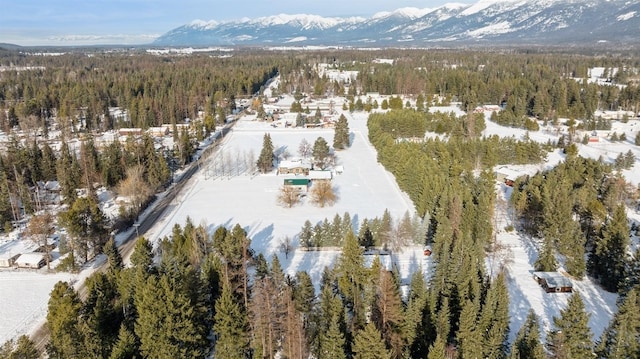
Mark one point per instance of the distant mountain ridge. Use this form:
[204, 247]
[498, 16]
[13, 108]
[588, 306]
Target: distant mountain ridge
[542, 22]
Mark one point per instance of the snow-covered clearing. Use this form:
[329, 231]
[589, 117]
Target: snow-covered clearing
[23, 300]
[521, 252]
[365, 189]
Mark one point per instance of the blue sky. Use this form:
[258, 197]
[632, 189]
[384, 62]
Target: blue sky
[83, 22]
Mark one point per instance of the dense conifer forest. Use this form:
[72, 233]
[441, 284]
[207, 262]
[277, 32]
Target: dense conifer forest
[200, 294]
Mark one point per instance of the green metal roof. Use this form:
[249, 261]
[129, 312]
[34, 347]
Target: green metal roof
[296, 182]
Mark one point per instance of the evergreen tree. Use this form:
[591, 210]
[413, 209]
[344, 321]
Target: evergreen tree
[306, 235]
[621, 339]
[341, 134]
[304, 293]
[327, 323]
[546, 261]
[48, 165]
[527, 344]
[113, 256]
[113, 165]
[366, 237]
[6, 207]
[368, 344]
[437, 349]
[142, 256]
[351, 276]
[632, 274]
[126, 346]
[609, 257]
[89, 162]
[230, 328]
[572, 336]
[68, 174]
[23, 348]
[418, 324]
[469, 337]
[494, 319]
[63, 321]
[320, 153]
[87, 227]
[265, 160]
[388, 314]
[169, 322]
[100, 318]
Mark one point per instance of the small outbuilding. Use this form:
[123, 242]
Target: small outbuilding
[553, 282]
[8, 260]
[31, 260]
[301, 184]
[320, 176]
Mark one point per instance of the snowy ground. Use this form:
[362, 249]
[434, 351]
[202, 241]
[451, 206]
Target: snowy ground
[365, 189]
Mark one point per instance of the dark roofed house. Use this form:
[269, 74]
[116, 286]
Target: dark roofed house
[553, 282]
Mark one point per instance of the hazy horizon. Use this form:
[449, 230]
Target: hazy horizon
[136, 22]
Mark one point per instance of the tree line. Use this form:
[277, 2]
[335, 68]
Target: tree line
[77, 90]
[198, 294]
[546, 86]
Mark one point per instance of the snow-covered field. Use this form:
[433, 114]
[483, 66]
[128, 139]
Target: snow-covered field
[365, 189]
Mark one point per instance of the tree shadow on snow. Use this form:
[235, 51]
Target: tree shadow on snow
[261, 241]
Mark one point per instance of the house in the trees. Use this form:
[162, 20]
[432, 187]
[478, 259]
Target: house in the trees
[47, 192]
[553, 282]
[300, 184]
[159, 131]
[130, 131]
[298, 167]
[31, 260]
[507, 175]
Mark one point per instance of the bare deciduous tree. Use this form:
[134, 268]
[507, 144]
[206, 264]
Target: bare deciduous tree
[286, 246]
[39, 230]
[323, 194]
[250, 162]
[135, 187]
[304, 148]
[288, 196]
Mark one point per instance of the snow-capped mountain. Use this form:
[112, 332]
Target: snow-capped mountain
[544, 22]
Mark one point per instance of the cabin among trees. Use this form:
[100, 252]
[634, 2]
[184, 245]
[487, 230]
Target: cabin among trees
[31, 260]
[553, 282]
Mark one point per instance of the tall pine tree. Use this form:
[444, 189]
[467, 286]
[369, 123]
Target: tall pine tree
[527, 344]
[341, 134]
[230, 328]
[621, 339]
[572, 336]
[265, 160]
[609, 256]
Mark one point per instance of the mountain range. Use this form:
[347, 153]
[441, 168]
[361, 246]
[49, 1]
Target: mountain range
[500, 22]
